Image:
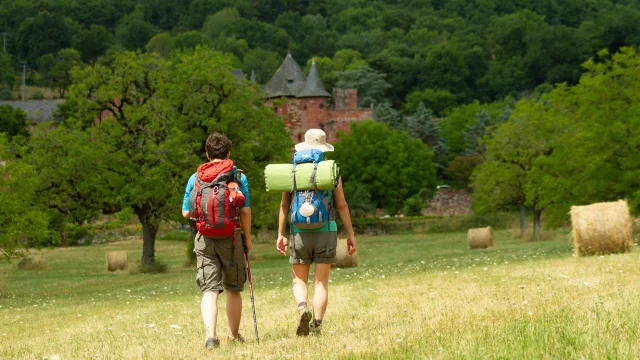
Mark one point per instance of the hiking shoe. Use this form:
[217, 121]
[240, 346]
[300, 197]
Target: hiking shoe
[303, 323]
[212, 343]
[315, 329]
[231, 339]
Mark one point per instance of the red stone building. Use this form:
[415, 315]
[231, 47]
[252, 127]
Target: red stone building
[306, 102]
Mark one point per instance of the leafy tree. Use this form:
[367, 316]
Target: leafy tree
[57, 70]
[93, 42]
[161, 44]
[422, 126]
[155, 117]
[370, 84]
[134, 32]
[263, 62]
[330, 69]
[510, 154]
[13, 122]
[459, 118]
[7, 72]
[440, 101]
[387, 114]
[23, 223]
[474, 132]
[42, 34]
[217, 23]
[70, 171]
[363, 155]
[461, 168]
[191, 40]
[595, 140]
[232, 45]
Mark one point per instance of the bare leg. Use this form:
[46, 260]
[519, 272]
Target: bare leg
[300, 278]
[209, 310]
[300, 293]
[234, 311]
[321, 292]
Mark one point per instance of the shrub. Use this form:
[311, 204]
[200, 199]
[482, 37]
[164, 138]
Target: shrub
[413, 206]
[76, 235]
[33, 262]
[156, 268]
[461, 168]
[125, 215]
[182, 235]
[5, 94]
[37, 95]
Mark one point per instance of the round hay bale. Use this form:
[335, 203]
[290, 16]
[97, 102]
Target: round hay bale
[117, 260]
[602, 228]
[344, 259]
[481, 238]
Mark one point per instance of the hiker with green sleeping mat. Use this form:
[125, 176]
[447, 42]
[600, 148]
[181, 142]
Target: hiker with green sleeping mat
[217, 198]
[313, 231]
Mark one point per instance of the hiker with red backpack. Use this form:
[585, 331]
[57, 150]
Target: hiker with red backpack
[313, 233]
[217, 197]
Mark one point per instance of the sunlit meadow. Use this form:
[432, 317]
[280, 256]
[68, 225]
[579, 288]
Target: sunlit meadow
[413, 296]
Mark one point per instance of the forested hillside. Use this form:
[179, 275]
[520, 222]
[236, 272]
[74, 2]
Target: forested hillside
[444, 53]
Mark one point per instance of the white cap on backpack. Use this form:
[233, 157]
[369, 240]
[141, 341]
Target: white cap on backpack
[314, 139]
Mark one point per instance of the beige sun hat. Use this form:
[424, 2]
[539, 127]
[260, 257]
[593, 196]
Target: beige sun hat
[315, 139]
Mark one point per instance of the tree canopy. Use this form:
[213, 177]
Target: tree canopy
[388, 164]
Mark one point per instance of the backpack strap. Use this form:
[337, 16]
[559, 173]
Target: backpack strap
[291, 202]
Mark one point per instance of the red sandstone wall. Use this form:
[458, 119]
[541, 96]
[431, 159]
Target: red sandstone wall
[314, 112]
[351, 98]
[302, 114]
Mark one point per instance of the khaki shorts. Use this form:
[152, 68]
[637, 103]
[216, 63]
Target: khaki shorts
[214, 272]
[313, 247]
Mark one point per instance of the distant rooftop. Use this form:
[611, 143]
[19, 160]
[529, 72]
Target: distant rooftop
[38, 111]
[288, 80]
[313, 87]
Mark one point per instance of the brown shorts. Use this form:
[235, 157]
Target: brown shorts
[313, 247]
[213, 257]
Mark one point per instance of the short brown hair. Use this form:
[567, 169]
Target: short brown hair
[218, 146]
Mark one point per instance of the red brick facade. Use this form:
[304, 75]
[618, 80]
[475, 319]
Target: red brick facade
[302, 114]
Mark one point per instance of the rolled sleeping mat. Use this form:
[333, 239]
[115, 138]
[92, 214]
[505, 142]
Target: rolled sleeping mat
[278, 177]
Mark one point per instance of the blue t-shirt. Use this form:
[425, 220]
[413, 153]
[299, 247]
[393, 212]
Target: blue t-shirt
[244, 187]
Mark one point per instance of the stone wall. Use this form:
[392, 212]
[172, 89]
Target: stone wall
[449, 201]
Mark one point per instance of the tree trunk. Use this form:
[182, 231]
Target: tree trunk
[149, 232]
[536, 223]
[523, 220]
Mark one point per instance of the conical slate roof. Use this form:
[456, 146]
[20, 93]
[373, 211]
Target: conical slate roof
[313, 86]
[287, 81]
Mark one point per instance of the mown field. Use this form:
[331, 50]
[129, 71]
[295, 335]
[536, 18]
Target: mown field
[414, 296]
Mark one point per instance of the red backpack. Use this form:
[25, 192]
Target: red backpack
[213, 207]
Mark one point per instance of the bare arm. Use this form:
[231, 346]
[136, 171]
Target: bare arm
[186, 214]
[245, 222]
[282, 242]
[343, 210]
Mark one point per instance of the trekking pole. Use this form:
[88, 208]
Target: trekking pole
[253, 305]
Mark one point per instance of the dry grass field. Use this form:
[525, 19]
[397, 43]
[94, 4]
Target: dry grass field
[413, 296]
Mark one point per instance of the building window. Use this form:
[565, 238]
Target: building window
[321, 126]
[321, 106]
[299, 137]
[305, 107]
[275, 109]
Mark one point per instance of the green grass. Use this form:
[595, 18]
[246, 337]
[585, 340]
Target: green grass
[414, 296]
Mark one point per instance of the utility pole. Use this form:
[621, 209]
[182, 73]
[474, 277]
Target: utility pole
[24, 79]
